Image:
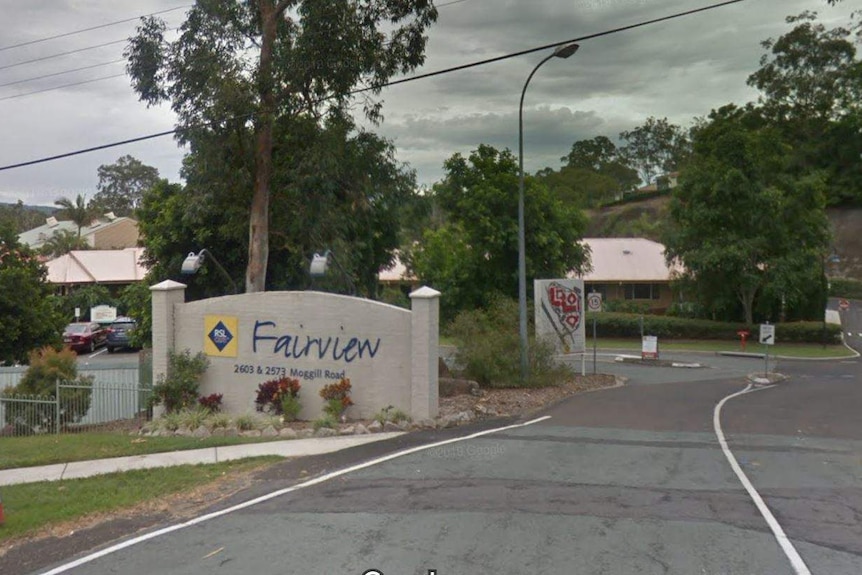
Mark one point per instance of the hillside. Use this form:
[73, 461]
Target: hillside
[644, 219]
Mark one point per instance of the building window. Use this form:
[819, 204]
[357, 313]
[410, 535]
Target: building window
[598, 288]
[643, 291]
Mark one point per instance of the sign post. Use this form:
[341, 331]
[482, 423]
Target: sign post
[594, 304]
[767, 338]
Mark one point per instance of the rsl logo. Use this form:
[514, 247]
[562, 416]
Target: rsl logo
[221, 336]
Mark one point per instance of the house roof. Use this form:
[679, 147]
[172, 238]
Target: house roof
[97, 266]
[627, 260]
[38, 236]
[395, 273]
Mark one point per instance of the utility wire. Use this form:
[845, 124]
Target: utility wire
[12, 97]
[43, 76]
[396, 82]
[82, 30]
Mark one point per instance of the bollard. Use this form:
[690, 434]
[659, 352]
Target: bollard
[2, 519]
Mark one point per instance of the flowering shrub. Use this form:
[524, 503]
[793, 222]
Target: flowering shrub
[271, 393]
[337, 396]
[211, 402]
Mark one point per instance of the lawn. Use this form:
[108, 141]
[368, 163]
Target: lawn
[800, 350]
[31, 506]
[48, 449]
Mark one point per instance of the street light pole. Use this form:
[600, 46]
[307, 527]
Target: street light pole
[563, 51]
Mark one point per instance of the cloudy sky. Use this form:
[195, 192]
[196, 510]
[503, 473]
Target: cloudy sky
[677, 69]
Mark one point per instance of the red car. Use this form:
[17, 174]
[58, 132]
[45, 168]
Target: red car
[84, 336]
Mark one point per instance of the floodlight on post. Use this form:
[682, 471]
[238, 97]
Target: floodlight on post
[193, 263]
[563, 51]
[320, 263]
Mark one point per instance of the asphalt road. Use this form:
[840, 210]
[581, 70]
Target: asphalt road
[630, 480]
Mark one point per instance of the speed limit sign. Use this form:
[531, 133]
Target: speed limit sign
[594, 302]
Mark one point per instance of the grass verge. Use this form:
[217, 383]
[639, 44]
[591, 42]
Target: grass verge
[48, 449]
[800, 350]
[33, 506]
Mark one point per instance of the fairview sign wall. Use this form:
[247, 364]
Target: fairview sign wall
[386, 352]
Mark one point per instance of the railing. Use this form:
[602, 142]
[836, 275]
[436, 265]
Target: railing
[104, 399]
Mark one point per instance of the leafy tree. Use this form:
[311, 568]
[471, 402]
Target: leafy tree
[811, 88]
[248, 65]
[81, 213]
[338, 189]
[601, 156]
[61, 243]
[28, 319]
[122, 184]
[657, 147]
[580, 187]
[742, 224]
[477, 249]
[136, 302]
[48, 367]
[20, 217]
[84, 298]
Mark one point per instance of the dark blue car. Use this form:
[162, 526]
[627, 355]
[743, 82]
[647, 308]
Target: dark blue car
[119, 332]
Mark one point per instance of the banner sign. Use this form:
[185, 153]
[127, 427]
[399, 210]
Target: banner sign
[560, 313]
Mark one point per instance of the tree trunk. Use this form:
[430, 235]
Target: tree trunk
[258, 228]
[746, 297]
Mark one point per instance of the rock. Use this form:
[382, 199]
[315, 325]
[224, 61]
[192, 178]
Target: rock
[426, 424]
[183, 432]
[465, 416]
[219, 432]
[201, 432]
[443, 369]
[231, 432]
[305, 433]
[250, 433]
[361, 429]
[325, 432]
[391, 426]
[347, 430]
[288, 433]
[447, 421]
[375, 427]
[449, 387]
[270, 431]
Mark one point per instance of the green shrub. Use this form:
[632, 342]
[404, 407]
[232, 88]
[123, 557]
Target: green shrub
[845, 287]
[194, 417]
[489, 349]
[290, 407]
[626, 306]
[628, 326]
[246, 422]
[179, 390]
[391, 413]
[327, 420]
[47, 367]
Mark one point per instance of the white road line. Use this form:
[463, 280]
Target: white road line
[101, 351]
[799, 566]
[326, 477]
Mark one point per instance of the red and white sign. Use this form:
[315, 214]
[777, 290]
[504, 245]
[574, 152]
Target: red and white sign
[649, 347]
[594, 302]
[560, 313]
[843, 305]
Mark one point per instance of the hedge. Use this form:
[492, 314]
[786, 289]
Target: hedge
[845, 287]
[669, 327]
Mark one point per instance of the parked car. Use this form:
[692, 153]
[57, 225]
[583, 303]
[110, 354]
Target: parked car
[84, 336]
[119, 332]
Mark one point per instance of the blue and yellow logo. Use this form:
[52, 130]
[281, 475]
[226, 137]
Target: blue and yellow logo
[220, 336]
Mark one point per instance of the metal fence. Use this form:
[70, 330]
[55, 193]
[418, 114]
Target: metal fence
[102, 398]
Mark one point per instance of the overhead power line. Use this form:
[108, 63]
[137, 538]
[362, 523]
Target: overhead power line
[91, 28]
[12, 97]
[43, 76]
[403, 80]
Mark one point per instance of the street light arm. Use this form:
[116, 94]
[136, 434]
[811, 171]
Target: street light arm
[220, 268]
